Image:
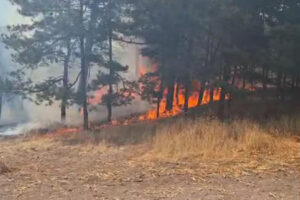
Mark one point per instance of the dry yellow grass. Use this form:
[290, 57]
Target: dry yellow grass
[179, 139]
[212, 139]
[3, 168]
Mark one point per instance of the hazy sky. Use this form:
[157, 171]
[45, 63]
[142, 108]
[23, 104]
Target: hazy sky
[8, 14]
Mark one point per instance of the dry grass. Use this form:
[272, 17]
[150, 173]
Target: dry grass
[183, 138]
[4, 168]
[211, 139]
[284, 126]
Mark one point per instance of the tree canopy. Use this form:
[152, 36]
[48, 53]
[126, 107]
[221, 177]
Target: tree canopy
[226, 48]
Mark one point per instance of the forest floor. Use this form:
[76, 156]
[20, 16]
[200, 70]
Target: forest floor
[64, 167]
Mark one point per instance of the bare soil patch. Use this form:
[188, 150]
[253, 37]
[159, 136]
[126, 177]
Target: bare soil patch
[61, 167]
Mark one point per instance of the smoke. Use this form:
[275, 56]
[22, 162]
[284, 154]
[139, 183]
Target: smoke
[17, 110]
[125, 54]
[13, 109]
[19, 129]
[20, 116]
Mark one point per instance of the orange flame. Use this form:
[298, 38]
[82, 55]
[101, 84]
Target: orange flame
[178, 106]
[63, 131]
[142, 70]
[178, 99]
[97, 98]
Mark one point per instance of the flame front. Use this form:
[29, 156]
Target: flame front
[178, 104]
[178, 99]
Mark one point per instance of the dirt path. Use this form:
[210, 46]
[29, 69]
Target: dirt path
[55, 169]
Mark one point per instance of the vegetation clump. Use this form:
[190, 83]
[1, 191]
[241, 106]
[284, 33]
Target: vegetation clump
[212, 139]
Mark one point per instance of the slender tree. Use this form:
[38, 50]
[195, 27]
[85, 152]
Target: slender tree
[47, 41]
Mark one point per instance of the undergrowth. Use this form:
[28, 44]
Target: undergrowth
[209, 139]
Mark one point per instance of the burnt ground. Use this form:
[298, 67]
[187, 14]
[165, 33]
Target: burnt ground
[47, 168]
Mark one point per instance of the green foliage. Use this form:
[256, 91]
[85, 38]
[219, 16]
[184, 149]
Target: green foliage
[222, 43]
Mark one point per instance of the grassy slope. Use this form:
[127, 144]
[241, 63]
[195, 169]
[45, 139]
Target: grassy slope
[178, 158]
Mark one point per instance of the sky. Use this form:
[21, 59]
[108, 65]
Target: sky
[8, 14]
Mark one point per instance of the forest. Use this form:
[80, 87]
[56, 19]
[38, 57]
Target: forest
[221, 83]
[232, 49]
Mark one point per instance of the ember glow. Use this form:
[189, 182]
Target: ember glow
[97, 97]
[178, 106]
[178, 101]
[62, 131]
[142, 71]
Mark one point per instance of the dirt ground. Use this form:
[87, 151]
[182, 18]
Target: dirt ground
[59, 168]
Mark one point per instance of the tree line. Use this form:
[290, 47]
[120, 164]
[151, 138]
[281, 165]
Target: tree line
[231, 45]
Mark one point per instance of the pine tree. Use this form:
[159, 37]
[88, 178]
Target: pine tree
[47, 41]
[111, 26]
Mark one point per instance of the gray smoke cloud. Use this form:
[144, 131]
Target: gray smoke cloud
[13, 109]
[17, 110]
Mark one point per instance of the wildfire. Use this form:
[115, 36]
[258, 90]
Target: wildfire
[63, 131]
[178, 103]
[178, 100]
[142, 71]
[97, 97]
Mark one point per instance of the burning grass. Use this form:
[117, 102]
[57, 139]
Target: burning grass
[212, 139]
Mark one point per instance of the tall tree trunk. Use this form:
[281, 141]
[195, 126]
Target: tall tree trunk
[211, 91]
[158, 107]
[222, 104]
[234, 75]
[187, 80]
[226, 76]
[283, 88]
[201, 93]
[232, 85]
[65, 96]
[111, 70]
[244, 76]
[110, 89]
[278, 84]
[293, 82]
[230, 101]
[265, 77]
[65, 83]
[1, 103]
[177, 93]
[297, 83]
[83, 77]
[170, 96]
[159, 98]
[86, 52]
[186, 95]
